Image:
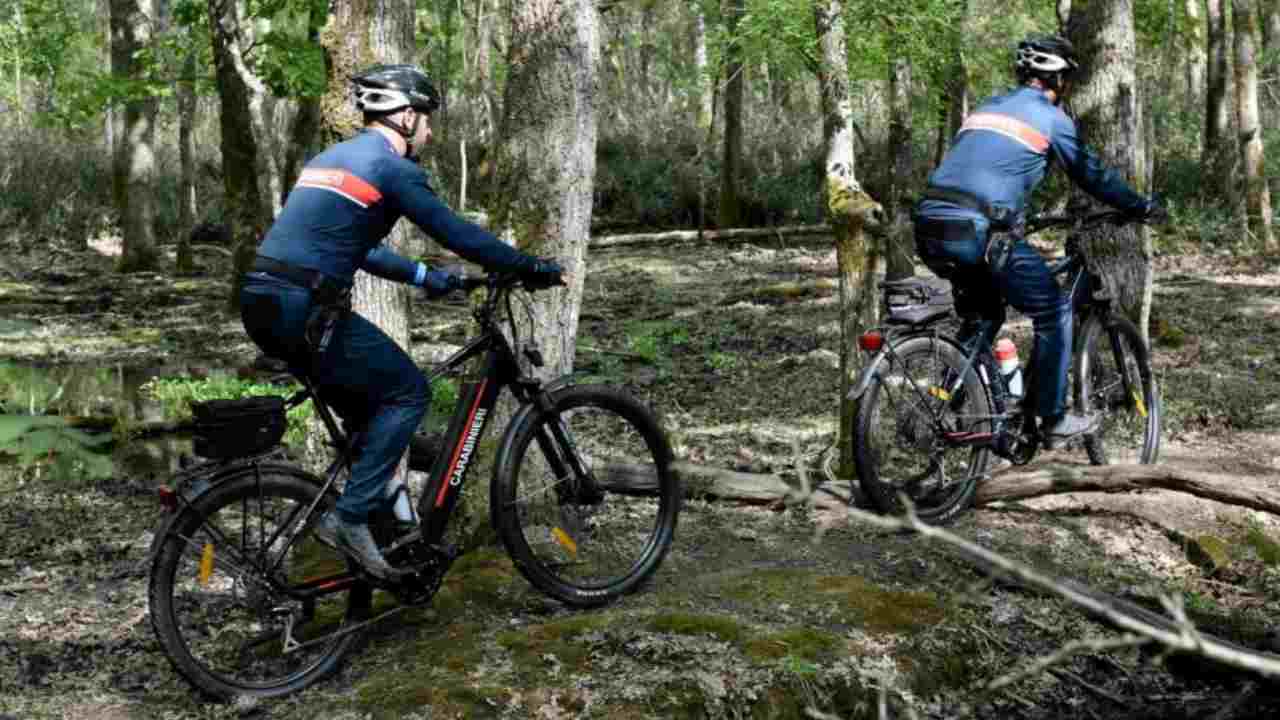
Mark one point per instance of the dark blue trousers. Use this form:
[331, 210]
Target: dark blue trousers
[958, 254]
[369, 380]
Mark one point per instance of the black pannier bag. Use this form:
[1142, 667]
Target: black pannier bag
[238, 428]
[916, 301]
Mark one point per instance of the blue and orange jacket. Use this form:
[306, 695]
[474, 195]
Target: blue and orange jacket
[346, 201]
[1004, 149]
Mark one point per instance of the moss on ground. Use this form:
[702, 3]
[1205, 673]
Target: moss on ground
[429, 670]
[531, 645]
[718, 626]
[856, 601]
[801, 642]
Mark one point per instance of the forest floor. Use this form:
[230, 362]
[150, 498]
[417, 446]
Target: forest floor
[761, 612]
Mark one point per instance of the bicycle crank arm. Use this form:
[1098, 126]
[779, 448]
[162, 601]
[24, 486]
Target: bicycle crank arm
[968, 438]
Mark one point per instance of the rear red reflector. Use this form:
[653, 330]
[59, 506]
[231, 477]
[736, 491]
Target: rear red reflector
[168, 498]
[871, 341]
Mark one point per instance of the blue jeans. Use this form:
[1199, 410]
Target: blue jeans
[369, 381]
[954, 248]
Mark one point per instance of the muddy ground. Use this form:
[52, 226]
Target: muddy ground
[763, 612]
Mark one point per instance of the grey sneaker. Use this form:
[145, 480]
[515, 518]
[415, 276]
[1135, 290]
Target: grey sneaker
[356, 542]
[1071, 425]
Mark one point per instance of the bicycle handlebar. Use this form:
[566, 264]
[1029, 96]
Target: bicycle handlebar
[1036, 223]
[498, 281]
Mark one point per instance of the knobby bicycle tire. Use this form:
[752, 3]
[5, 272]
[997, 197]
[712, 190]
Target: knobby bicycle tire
[1129, 403]
[581, 550]
[207, 593]
[897, 446]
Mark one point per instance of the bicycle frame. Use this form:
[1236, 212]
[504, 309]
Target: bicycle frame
[1081, 287]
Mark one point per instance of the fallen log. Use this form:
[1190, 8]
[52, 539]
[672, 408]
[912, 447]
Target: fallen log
[1051, 479]
[1009, 484]
[731, 235]
[705, 481]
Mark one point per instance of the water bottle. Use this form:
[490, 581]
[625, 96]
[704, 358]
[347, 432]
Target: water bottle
[402, 508]
[1007, 356]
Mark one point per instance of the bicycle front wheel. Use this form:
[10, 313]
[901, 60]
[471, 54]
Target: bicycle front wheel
[915, 436]
[1113, 378]
[584, 496]
[238, 609]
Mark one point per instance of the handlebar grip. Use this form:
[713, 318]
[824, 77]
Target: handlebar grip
[474, 283]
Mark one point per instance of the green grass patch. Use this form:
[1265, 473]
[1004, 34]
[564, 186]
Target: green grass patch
[1268, 549]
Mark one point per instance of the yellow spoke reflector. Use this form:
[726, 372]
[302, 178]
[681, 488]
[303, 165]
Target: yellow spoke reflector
[206, 564]
[939, 393]
[1137, 399]
[565, 541]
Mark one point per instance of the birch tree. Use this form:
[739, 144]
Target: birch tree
[247, 213]
[850, 210]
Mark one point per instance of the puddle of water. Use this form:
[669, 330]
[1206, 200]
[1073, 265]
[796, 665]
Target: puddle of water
[101, 391]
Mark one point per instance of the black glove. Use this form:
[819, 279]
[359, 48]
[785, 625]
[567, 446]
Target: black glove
[545, 273]
[439, 283]
[1153, 212]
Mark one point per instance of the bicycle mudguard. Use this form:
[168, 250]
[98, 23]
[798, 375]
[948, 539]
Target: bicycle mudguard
[868, 374]
[196, 483]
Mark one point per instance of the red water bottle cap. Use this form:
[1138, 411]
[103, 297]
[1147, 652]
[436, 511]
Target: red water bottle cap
[1005, 350]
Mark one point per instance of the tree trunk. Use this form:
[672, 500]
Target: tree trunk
[187, 211]
[1269, 17]
[730, 211]
[305, 126]
[135, 162]
[484, 71]
[546, 156]
[900, 253]
[1195, 60]
[243, 37]
[1219, 149]
[1107, 106]
[850, 210]
[1252, 155]
[358, 35]
[706, 94]
[247, 216]
[109, 124]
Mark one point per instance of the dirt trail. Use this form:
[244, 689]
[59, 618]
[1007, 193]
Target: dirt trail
[759, 612]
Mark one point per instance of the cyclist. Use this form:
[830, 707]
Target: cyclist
[967, 221]
[295, 299]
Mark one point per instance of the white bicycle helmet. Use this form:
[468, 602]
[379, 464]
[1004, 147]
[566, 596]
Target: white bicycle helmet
[388, 88]
[1045, 56]
[384, 89]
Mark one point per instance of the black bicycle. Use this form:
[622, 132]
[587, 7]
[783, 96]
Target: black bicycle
[934, 409]
[246, 601]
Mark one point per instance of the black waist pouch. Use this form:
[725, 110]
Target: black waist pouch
[238, 428]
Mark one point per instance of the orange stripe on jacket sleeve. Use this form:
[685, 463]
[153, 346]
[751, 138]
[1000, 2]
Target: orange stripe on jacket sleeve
[1008, 126]
[341, 182]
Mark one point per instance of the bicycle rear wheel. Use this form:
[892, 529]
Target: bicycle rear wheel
[1112, 377]
[225, 586]
[586, 537]
[906, 430]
